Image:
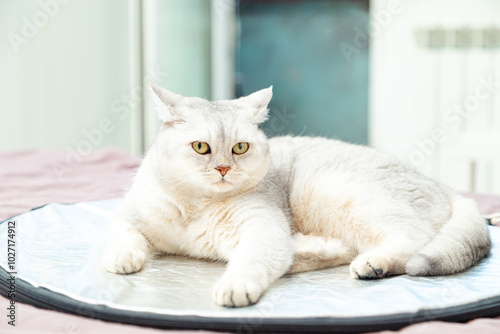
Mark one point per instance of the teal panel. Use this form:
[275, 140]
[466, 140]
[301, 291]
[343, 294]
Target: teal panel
[296, 47]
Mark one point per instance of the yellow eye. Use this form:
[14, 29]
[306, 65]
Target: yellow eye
[240, 148]
[201, 147]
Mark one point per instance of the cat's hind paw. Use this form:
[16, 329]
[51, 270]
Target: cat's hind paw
[370, 267]
[123, 260]
[236, 292]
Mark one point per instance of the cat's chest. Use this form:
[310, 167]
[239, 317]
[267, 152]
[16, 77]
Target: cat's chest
[194, 231]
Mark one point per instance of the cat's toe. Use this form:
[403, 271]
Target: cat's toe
[365, 267]
[236, 292]
[123, 261]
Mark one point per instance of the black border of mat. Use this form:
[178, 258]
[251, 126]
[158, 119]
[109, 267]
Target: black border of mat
[47, 299]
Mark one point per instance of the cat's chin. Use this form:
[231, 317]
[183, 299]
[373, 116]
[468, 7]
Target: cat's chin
[222, 186]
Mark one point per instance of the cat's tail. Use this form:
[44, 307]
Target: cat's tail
[461, 243]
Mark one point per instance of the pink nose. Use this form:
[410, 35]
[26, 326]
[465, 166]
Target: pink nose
[223, 169]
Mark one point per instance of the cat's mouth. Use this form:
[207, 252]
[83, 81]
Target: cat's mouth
[223, 185]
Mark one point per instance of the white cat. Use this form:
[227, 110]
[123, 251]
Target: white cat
[213, 186]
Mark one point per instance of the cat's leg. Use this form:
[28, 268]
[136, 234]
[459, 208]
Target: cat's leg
[314, 252]
[126, 249]
[262, 255]
[389, 258]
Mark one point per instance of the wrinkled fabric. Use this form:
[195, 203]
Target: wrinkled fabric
[29, 179]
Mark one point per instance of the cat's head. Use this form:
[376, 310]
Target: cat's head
[212, 148]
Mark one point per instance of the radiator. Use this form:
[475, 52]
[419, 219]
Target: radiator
[437, 73]
[458, 78]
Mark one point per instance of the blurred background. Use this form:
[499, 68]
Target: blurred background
[419, 79]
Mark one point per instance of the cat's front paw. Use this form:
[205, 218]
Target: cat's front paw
[237, 292]
[123, 260]
[370, 267]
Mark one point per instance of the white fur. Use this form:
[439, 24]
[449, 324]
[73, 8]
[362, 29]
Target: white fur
[338, 200]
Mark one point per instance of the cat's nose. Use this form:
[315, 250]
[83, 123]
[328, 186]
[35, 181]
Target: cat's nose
[223, 169]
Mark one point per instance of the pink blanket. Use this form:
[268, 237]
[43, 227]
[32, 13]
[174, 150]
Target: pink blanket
[30, 179]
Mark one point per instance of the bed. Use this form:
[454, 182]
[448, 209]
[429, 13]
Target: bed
[31, 179]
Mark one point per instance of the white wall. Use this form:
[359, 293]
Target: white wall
[90, 63]
[63, 78]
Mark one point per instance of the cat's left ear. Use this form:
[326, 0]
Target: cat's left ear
[166, 105]
[257, 104]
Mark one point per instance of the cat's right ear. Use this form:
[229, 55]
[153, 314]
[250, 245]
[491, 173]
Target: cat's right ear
[166, 103]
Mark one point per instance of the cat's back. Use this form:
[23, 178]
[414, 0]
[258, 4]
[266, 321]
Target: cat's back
[317, 169]
[317, 153]
[311, 158]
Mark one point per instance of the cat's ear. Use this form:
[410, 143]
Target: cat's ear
[257, 104]
[166, 103]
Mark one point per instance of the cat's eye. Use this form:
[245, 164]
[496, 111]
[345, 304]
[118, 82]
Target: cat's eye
[201, 147]
[240, 148]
